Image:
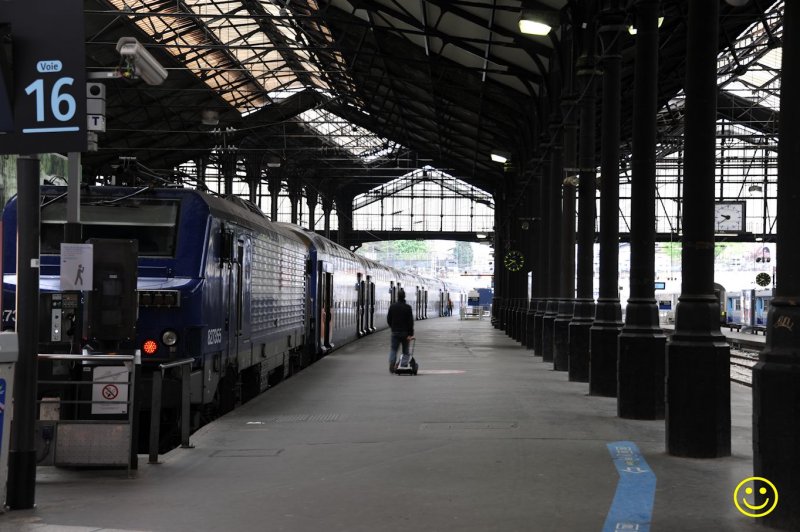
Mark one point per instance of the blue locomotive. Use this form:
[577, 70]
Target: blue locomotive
[250, 300]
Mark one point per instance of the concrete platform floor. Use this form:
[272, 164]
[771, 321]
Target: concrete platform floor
[487, 437]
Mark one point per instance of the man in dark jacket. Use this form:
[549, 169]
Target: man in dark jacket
[401, 320]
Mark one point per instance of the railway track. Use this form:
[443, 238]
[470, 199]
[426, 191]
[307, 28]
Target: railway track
[742, 363]
[745, 348]
[744, 355]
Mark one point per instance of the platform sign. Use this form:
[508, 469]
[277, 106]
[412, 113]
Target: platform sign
[110, 394]
[45, 78]
[77, 261]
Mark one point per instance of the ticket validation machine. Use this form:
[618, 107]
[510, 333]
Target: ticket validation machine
[9, 351]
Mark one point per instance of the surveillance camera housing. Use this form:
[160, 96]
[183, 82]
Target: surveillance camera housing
[145, 65]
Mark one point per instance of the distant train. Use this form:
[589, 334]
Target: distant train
[747, 310]
[250, 300]
[743, 310]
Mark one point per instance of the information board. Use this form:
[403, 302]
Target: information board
[77, 266]
[47, 70]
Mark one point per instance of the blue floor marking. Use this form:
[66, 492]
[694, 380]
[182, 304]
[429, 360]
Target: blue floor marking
[632, 507]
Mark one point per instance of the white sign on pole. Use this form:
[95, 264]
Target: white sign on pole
[76, 266]
[110, 396]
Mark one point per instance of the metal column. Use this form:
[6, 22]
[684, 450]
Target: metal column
[22, 451]
[698, 400]
[579, 328]
[608, 316]
[641, 343]
[776, 377]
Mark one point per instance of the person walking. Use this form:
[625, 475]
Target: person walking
[401, 320]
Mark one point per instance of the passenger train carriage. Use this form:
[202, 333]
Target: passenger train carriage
[250, 300]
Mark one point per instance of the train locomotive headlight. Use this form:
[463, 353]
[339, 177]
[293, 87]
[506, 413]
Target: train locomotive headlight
[149, 347]
[169, 338]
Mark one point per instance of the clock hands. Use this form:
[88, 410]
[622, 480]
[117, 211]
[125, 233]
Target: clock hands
[726, 216]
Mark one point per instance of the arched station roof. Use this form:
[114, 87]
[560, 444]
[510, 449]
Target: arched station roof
[354, 92]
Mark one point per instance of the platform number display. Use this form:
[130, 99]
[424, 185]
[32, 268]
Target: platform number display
[49, 76]
[59, 99]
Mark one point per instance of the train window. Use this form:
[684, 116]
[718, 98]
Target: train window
[152, 223]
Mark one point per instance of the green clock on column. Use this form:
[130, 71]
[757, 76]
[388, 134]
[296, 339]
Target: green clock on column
[514, 260]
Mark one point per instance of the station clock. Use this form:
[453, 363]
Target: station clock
[729, 216]
[514, 260]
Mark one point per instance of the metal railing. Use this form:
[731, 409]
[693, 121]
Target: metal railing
[155, 411]
[91, 442]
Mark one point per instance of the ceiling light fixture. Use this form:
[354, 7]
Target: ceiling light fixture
[537, 21]
[500, 156]
[632, 29]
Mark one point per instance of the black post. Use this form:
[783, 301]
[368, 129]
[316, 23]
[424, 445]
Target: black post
[274, 188]
[327, 207]
[566, 292]
[22, 448]
[295, 192]
[567, 184]
[554, 255]
[776, 377]
[542, 258]
[311, 200]
[531, 238]
[642, 343]
[608, 317]
[229, 166]
[698, 407]
[581, 324]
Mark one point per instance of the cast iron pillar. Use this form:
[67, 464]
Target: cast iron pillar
[579, 328]
[201, 165]
[253, 174]
[344, 215]
[295, 192]
[274, 187]
[642, 343]
[534, 251]
[21, 493]
[554, 255]
[500, 272]
[229, 165]
[608, 315]
[698, 401]
[542, 257]
[312, 198]
[327, 207]
[776, 377]
[566, 292]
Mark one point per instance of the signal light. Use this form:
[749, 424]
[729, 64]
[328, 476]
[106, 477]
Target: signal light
[150, 347]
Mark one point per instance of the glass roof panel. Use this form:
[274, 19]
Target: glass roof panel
[255, 53]
[751, 67]
[341, 133]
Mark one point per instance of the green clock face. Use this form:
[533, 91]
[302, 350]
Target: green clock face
[763, 279]
[514, 260]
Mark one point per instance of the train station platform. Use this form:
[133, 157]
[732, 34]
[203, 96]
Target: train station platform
[486, 437]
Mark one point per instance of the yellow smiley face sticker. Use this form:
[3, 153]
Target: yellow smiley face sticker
[744, 498]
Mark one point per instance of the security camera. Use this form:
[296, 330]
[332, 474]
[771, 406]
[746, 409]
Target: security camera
[144, 65]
